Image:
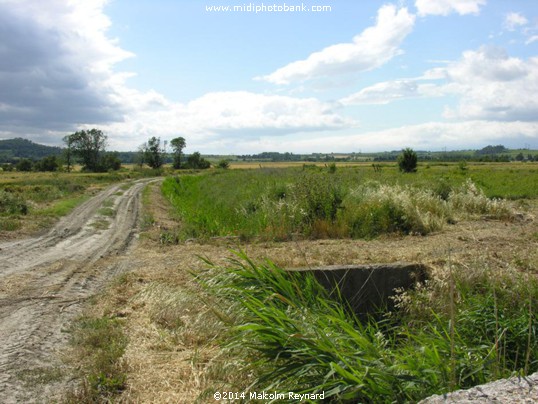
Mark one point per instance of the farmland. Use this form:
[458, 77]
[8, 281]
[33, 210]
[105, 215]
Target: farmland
[238, 325]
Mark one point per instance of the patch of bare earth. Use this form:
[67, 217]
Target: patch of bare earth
[173, 354]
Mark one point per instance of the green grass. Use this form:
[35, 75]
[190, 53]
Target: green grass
[35, 200]
[9, 224]
[63, 206]
[452, 333]
[331, 202]
[108, 212]
[98, 346]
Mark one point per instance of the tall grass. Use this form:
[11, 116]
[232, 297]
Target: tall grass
[321, 203]
[293, 337]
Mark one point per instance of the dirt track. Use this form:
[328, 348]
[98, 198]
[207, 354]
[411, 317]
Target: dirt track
[44, 280]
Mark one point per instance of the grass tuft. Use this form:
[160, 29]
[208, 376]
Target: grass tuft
[292, 337]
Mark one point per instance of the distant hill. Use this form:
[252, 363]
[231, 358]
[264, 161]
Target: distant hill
[12, 150]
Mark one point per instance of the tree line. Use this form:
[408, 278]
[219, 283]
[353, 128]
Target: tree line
[88, 148]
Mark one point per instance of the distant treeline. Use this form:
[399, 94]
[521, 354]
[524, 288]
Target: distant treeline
[12, 151]
[490, 153]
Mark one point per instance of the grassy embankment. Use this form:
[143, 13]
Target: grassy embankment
[351, 202]
[458, 330]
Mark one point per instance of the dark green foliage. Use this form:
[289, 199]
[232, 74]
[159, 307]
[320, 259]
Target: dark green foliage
[196, 161]
[89, 146]
[178, 144]
[12, 203]
[25, 165]
[224, 164]
[13, 149]
[111, 161]
[407, 161]
[492, 150]
[153, 153]
[49, 163]
[319, 196]
[383, 217]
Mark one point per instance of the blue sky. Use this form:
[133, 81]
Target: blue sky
[360, 76]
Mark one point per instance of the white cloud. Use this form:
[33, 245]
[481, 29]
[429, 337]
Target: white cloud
[446, 7]
[389, 91]
[532, 39]
[425, 136]
[57, 75]
[216, 116]
[489, 83]
[370, 49]
[514, 20]
[493, 85]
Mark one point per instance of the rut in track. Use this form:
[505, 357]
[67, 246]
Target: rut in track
[44, 280]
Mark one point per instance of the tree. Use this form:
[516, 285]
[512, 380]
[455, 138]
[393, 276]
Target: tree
[68, 152]
[49, 163]
[196, 161]
[178, 144]
[24, 165]
[407, 161]
[111, 161]
[153, 154]
[89, 146]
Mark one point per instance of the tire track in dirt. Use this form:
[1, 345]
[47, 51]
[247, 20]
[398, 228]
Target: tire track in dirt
[44, 281]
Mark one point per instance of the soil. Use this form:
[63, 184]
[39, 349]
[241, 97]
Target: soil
[45, 280]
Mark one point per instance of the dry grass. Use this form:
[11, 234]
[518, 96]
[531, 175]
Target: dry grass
[173, 355]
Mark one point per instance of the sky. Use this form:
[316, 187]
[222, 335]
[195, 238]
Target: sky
[316, 76]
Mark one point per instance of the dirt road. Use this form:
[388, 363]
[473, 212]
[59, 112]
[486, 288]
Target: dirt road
[44, 280]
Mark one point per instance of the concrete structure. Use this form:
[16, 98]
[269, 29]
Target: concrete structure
[367, 287]
[513, 390]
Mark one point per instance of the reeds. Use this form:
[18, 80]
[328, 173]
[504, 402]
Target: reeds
[293, 337]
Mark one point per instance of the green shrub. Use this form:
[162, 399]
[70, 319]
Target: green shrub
[12, 203]
[292, 337]
[407, 161]
[224, 164]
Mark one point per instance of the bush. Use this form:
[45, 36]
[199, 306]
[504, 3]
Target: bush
[196, 161]
[407, 161]
[24, 165]
[11, 203]
[49, 163]
[224, 164]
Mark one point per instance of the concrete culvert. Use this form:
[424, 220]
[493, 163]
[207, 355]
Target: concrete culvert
[369, 287]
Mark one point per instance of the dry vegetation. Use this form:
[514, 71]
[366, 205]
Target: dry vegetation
[173, 352]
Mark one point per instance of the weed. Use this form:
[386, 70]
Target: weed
[99, 344]
[100, 224]
[109, 212]
[9, 224]
[108, 203]
[279, 204]
[293, 337]
[12, 203]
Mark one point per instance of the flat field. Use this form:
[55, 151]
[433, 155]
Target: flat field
[245, 329]
[172, 338]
